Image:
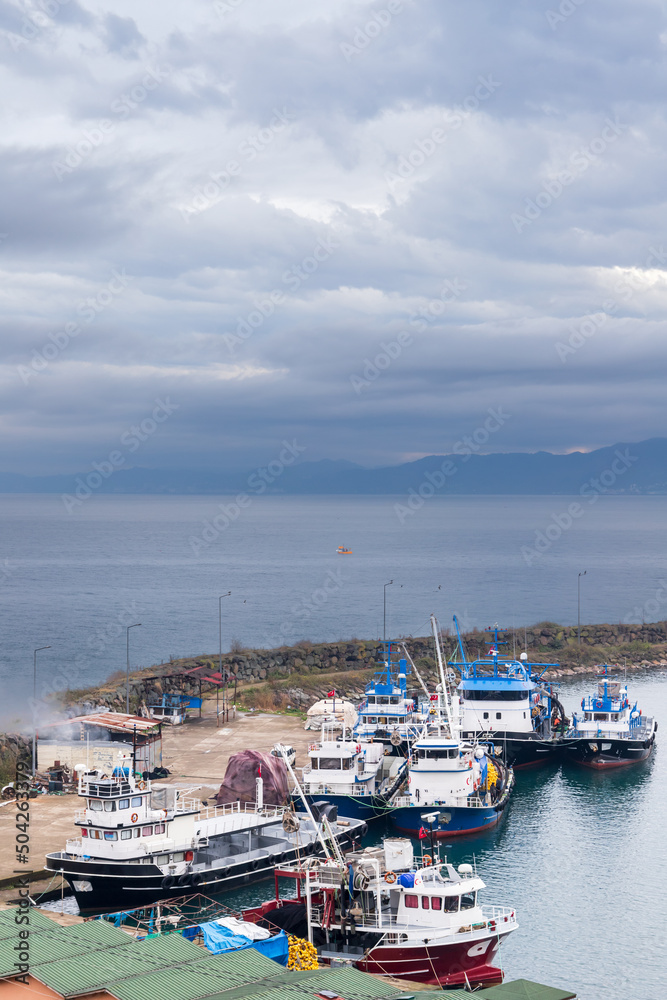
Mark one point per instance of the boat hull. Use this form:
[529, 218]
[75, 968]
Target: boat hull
[453, 821]
[367, 807]
[520, 749]
[606, 754]
[107, 887]
[455, 963]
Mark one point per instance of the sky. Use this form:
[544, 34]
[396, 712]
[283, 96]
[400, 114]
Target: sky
[355, 226]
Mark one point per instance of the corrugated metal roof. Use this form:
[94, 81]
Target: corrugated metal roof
[71, 977]
[54, 943]
[524, 989]
[116, 721]
[352, 984]
[199, 979]
[37, 922]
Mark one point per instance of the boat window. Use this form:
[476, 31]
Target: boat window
[486, 715]
[136, 832]
[411, 901]
[600, 717]
[163, 859]
[467, 900]
[425, 905]
[124, 804]
[436, 903]
[371, 700]
[334, 764]
[393, 701]
[614, 717]
[136, 800]
[125, 834]
[446, 753]
[84, 833]
[499, 715]
[110, 807]
[373, 720]
[95, 805]
[451, 904]
[382, 720]
[147, 831]
[478, 695]
[110, 835]
[95, 834]
[159, 827]
[178, 856]
[147, 861]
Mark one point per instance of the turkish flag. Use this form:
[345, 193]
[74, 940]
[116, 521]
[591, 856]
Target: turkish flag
[422, 833]
[332, 694]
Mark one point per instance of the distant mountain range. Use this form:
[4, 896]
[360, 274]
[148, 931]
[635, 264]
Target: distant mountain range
[623, 468]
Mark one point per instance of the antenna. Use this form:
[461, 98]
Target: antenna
[438, 653]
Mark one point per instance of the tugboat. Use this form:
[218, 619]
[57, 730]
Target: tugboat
[140, 843]
[609, 732]
[466, 784]
[380, 912]
[387, 713]
[356, 776]
[505, 700]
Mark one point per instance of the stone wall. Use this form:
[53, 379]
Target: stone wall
[293, 673]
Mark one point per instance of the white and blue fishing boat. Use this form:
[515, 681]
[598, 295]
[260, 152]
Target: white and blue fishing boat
[610, 731]
[387, 713]
[504, 700]
[462, 786]
[354, 775]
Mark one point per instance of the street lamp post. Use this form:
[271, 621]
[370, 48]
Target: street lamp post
[127, 666]
[384, 616]
[579, 576]
[217, 690]
[34, 707]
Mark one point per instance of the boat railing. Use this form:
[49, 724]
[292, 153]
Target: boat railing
[634, 731]
[228, 809]
[463, 801]
[494, 918]
[74, 846]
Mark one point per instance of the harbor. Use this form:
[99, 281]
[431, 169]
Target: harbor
[196, 754]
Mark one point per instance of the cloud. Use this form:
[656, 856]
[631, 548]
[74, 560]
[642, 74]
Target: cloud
[292, 187]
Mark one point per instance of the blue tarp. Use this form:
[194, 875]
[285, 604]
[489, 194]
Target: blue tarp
[219, 939]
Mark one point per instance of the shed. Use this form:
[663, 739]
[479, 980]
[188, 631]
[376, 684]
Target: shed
[97, 739]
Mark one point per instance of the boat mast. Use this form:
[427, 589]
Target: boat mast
[441, 670]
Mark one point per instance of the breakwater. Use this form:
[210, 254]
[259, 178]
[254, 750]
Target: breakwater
[295, 676]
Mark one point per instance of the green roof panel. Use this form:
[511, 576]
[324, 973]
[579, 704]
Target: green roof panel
[524, 989]
[9, 928]
[213, 974]
[71, 977]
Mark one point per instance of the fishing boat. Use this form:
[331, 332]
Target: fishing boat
[381, 911]
[610, 731]
[387, 713]
[140, 842]
[355, 775]
[465, 785]
[343, 550]
[506, 701]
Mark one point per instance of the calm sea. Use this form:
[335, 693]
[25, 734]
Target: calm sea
[580, 855]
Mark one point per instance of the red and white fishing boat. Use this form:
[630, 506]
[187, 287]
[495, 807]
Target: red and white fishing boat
[380, 912]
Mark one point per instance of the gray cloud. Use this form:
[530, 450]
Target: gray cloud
[474, 147]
